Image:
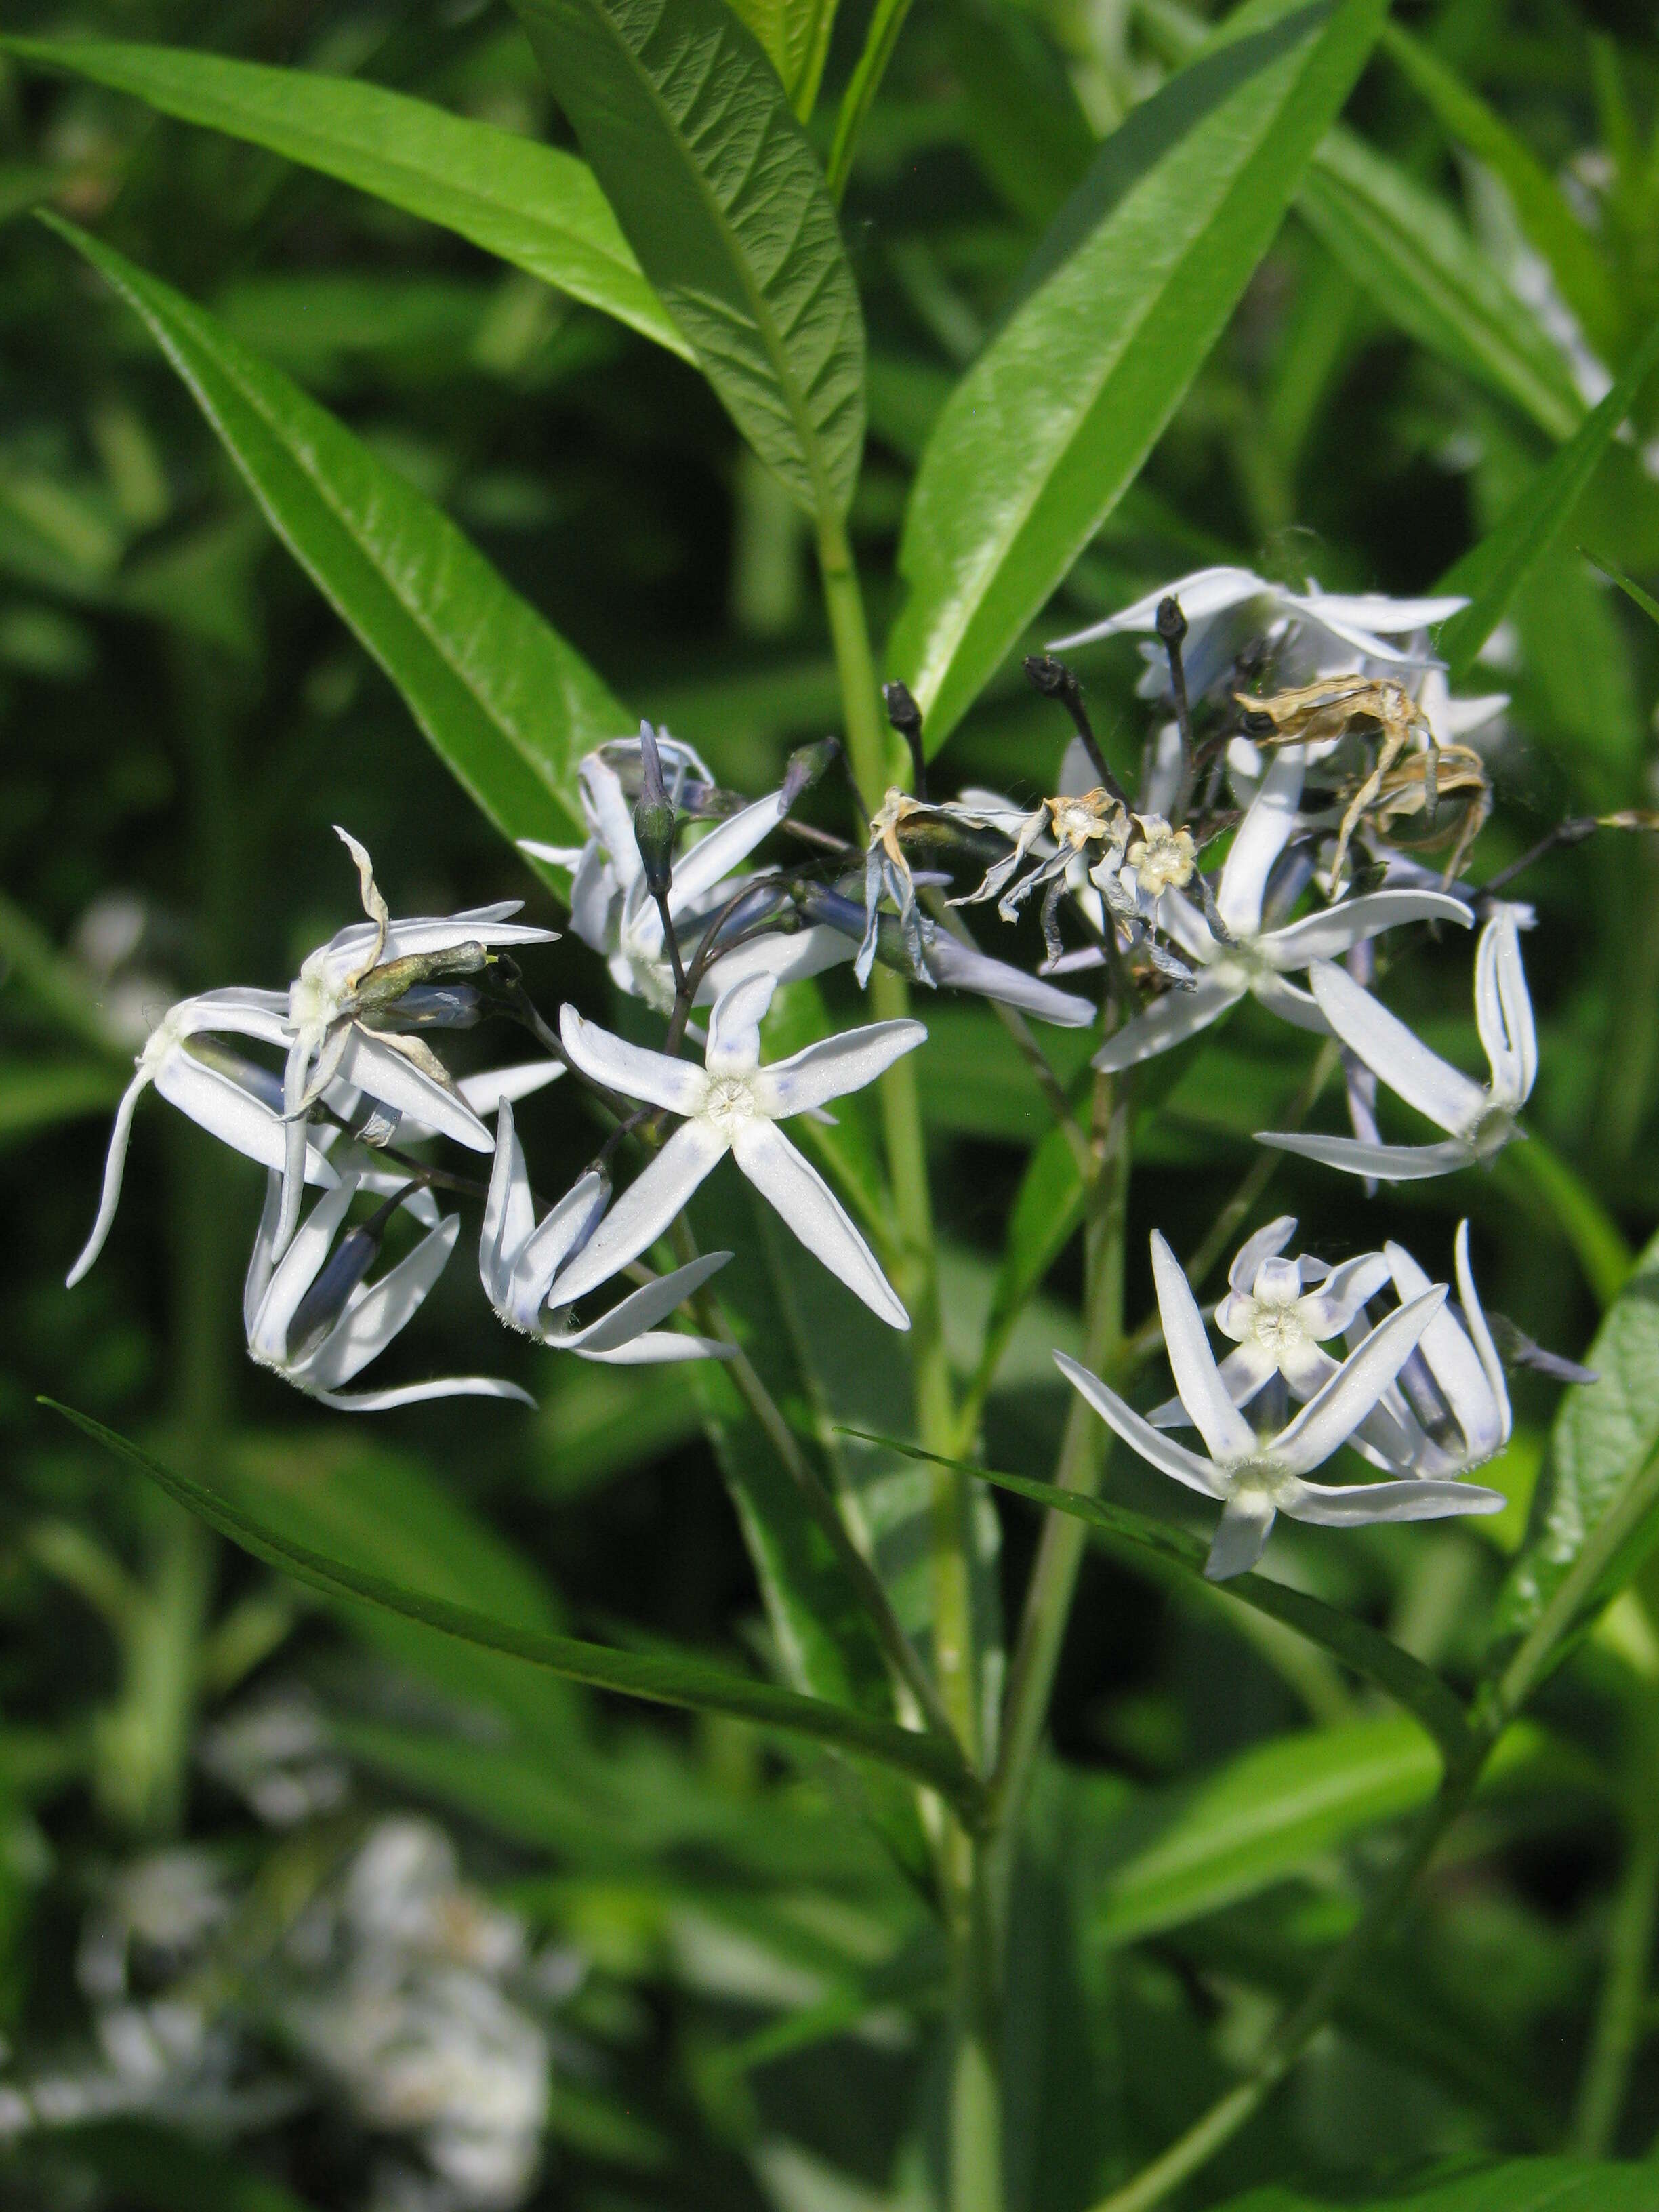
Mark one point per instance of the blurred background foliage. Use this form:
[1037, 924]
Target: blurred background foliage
[641, 1963]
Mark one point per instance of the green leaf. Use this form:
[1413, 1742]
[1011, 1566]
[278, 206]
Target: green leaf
[1193, 1848]
[692, 139]
[1351, 1642]
[1517, 2184]
[1133, 287]
[529, 204]
[1541, 207]
[1407, 250]
[795, 35]
[1048, 1207]
[505, 702]
[154, 2169]
[1492, 572]
[879, 41]
[687, 1682]
[1604, 1437]
[1631, 589]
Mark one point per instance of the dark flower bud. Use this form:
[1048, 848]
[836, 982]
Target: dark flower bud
[1171, 623]
[339, 1276]
[905, 716]
[654, 818]
[807, 764]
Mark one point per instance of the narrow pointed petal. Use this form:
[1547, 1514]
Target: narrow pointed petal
[960, 967]
[1381, 616]
[219, 1104]
[1325, 936]
[508, 1196]
[297, 1269]
[645, 1209]
[1205, 592]
[734, 1026]
[1485, 1350]
[568, 857]
[237, 1009]
[1289, 1003]
[563, 1232]
[1502, 1011]
[1240, 1537]
[262, 1260]
[1329, 1419]
[810, 1209]
[834, 1067]
[485, 1093]
[1351, 1505]
[605, 803]
[641, 1310]
[1387, 1163]
[1329, 1310]
[1247, 1369]
[296, 1074]
[378, 1068]
[712, 859]
[1453, 1101]
[659, 1347]
[1267, 1244]
[788, 957]
[1186, 927]
[416, 1394]
[1261, 837]
[631, 1068]
[115, 1162]
[1227, 1435]
[1154, 1447]
[1307, 1368]
[1455, 1365]
[1170, 1021]
[365, 1329]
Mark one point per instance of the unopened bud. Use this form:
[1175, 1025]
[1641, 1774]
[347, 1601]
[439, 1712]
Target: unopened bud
[1171, 623]
[654, 818]
[344, 1269]
[807, 764]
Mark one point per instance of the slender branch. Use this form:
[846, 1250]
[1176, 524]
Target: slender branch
[1172, 629]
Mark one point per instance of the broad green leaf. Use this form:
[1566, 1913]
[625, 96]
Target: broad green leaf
[506, 702]
[1407, 250]
[1516, 2184]
[529, 204]
[692, 140]
[1351, 1642]
[1133, 287]
[795, 35]
[1542, 209]
[1193, 1848]
[1604, 1437]
[1492, 572]
[37, 1096]
[687, 1682]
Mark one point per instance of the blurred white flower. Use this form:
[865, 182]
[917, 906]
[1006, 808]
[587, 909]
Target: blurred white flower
[1258, 959]
[519, 1259]
[1256, 1478]
[734, 1104]
[1479, 1119]
[311, 1317]
[1454, 1377]
[276, 1756]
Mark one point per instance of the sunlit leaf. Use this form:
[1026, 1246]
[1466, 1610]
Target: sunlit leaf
[795, 35]
[691, 137]
[532, 205]
[1128, 292]
[505, 702]
[687, 1682]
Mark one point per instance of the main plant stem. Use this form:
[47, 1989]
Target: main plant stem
[975, 2098]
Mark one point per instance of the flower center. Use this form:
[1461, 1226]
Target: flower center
[730, 1101]
[1163, 858]
[1279, 1330]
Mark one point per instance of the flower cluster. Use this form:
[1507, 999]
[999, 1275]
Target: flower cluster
[1301, 790]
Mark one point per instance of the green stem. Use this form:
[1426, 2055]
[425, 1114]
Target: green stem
[856, 103]
[1082, 1457]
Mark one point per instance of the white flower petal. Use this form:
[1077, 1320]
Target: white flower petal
[1486, 1351]
[1158, 1449]
[1330, 1418]
[807, 1206]
[1267, 1244]
[1227, 1435]
[1205, 592]
[240, 1010]
[568, 857]
[833, 1067]
[1324, 936]
[1240, 1537]
[215, 1102]
[509, 1212]
[486, 1092]
[658, 1348]
[1168, 1021]
[644, 1210]
[563, 1232]
[1247, 1369]
[1441, 1093]
[641, 1310]
[1185, 927]
[365, 1329]
[1261, 837]
[1382, 617]
[380, 1070]
[631, 1068]
[262, 1260]
[1387, 1163]
[1287, 1001]
[963, 967]
[1327, 1310]
[1506, 1024]
[298, 1269]
[788, 957]
[115, 1162]
[713, 857]
[1355, 1504]
[416, 1394]
[733, 1046]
